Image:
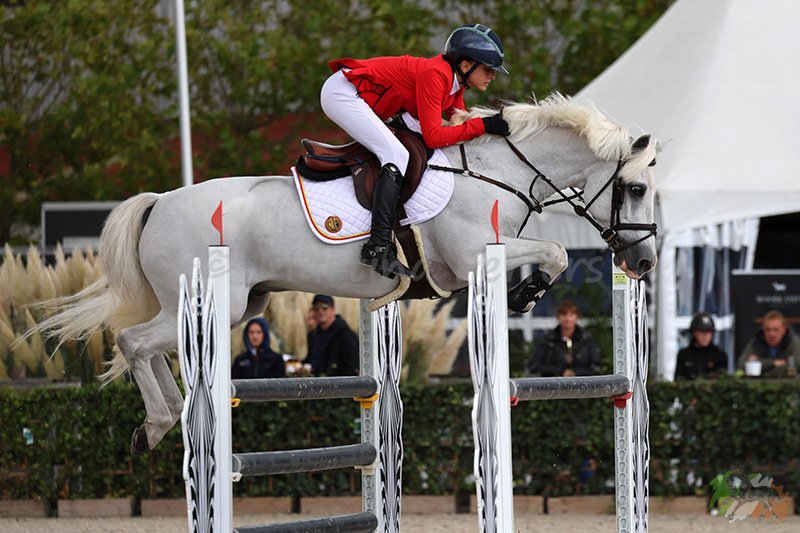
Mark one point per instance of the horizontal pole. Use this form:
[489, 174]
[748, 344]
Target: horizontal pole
[566, 388]
[312, 459]
[274, 389]
[350, 523]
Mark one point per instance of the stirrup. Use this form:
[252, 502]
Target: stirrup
[384, 261]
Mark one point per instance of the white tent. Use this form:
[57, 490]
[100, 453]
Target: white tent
[717, 81]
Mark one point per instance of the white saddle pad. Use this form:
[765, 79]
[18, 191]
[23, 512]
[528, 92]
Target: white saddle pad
[335, 216]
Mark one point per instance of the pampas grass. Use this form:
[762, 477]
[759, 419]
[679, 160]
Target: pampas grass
[26, 280]
[428, 348]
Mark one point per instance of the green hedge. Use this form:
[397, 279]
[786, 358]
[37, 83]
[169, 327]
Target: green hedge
[77, 439]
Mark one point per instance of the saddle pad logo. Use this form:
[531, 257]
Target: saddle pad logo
[333, 224]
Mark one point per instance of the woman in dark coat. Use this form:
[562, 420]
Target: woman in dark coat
[258, 360]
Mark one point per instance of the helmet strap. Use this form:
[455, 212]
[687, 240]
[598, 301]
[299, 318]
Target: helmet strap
[465, 75]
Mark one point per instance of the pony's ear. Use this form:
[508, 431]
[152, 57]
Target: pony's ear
[640, 144]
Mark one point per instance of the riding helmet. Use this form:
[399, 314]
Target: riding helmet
[702, 322]
[476, 42]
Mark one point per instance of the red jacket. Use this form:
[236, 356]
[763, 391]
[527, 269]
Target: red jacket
[418, 85]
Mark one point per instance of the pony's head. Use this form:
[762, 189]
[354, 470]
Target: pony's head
[623, 204]
[618, 191]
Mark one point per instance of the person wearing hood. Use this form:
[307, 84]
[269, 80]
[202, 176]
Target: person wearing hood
[776, 346]
[702, 358]
[258, 360]
[567, 350]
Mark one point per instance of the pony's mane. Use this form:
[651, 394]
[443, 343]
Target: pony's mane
[607, 139]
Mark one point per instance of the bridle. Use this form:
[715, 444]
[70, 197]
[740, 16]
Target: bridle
[610, 233]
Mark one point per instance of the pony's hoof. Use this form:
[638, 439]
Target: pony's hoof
[139, 441]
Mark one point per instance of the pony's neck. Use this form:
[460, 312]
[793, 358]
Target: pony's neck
[559, 153]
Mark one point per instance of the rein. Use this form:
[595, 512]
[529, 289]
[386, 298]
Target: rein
[609, 234]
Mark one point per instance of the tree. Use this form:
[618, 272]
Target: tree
[84, 89]
[88, 99]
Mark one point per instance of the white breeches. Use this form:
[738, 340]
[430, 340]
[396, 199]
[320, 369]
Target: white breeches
[341, 104]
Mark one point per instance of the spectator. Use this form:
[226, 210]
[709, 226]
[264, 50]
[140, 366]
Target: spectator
[311, 327]
[258, 360]
[332, 347]
[702, 357]
[567, 350]
[775, 346]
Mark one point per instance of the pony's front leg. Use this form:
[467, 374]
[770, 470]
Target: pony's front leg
[552, 260]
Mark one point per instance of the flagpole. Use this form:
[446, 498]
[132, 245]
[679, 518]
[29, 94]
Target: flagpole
[183, 92]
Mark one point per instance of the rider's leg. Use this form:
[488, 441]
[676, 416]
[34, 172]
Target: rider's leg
[379, 251]
[341, 103]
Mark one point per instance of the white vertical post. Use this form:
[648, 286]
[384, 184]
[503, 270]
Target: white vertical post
[205, 357]
[219, 283]
[183, 94]
[491, 412]
[623, 418]
[496, 278]
[382, 421]
[370, 431]
[640, 406]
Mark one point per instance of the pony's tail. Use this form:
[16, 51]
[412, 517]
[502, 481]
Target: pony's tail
[122, 297]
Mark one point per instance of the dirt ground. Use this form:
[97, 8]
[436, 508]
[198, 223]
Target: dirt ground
[435, 523]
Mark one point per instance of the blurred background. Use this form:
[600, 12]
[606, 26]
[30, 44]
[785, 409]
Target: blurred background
[89, 117]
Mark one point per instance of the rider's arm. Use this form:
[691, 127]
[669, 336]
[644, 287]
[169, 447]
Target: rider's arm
[458, 103]
[432, 89]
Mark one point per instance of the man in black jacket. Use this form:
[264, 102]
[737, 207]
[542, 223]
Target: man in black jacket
[702, 357]
[567, 350]
[332, 347]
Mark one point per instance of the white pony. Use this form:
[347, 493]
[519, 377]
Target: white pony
[150, 239]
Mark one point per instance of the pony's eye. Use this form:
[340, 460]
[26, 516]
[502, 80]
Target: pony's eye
[638, 190]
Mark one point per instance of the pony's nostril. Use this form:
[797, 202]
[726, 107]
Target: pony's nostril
[644, 266]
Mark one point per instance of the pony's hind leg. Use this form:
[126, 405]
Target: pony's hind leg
[166, 382]
[140, 344]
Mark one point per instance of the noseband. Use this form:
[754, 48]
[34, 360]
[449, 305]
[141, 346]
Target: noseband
[610, 234]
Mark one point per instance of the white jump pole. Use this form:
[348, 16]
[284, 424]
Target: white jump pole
[206, 417]
[219, 281]
[491, 415]
[382, 420]
[631, 442]
[210, 467]
[488, 343]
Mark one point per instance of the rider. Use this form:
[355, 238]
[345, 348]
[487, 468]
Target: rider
[363, 94]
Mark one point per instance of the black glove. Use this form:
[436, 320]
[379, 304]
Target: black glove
[496, 125]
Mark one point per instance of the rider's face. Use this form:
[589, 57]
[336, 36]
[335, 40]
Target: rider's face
[481, 77]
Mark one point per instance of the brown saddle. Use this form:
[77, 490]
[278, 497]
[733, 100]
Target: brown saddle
[323, 162]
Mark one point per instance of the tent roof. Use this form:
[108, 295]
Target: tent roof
[717, 81]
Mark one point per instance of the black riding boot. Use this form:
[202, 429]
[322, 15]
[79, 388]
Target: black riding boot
[379, 252]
